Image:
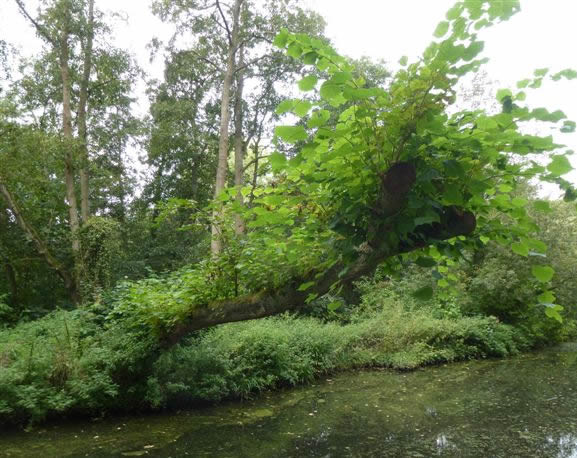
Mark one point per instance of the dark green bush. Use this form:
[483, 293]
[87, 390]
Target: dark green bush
[81, 362]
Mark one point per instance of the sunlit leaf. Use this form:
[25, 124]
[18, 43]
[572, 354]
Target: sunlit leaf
[291, 134]
[441, 29]
[308, 83]
[560, 165]
[520, 249]
[543, 273]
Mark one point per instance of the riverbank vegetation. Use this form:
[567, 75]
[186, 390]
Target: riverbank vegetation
[369, 221]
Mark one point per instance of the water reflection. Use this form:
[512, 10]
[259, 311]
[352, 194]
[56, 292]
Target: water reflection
[523, 407]
[566, 445]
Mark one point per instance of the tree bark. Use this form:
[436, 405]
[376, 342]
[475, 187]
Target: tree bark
[82, 115]
[74, 221]
[239, 144]
[222, 168]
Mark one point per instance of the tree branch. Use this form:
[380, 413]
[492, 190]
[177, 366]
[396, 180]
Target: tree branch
[39, 27]
[228, 32]
[41, 247]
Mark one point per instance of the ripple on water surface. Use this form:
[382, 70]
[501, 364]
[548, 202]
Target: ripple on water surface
[522, 407]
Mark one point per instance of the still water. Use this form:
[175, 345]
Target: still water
[521, 407]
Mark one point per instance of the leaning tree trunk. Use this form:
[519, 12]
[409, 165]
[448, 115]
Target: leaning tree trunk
[395, 187]
[222, 168]
[41, 246]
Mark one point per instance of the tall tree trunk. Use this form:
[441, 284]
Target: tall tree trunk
[60, 43]
[68, 135]
[222, 168]
[82, 115]
[68, 139]
[40, 245]
[239, 142]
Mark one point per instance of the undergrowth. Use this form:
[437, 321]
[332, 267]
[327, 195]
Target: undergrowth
[74, 363]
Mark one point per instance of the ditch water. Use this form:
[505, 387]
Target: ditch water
[520, 407]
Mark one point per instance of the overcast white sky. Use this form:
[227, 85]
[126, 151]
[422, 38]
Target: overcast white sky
[542, 35]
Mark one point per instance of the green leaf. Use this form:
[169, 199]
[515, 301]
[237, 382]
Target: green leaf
[308, 83]
[454, 12]
[552, 311]
[473, 50]
[291, 134]
[568, 127]
[403, 61]
[541, 72]
[546, 298]
[281, 39]
[570, 195]
[294, 50]
[560, 165]
[502, 93]
[311, 297]
[543, 273]
[425, 262]
[330, 91]
[341, 77]
[285, 106]
[568, 73]
[454, 168]
[520, 249]
[536, 245]
[453, 195]
[302, 107]
[277, 161]
[441, 29]
[310, 58]
[306, 286]
[519, 202]
[423, 294]
[319, 118]
[335, 305]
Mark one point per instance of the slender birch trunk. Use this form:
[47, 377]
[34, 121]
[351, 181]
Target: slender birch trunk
[239, 142]
[82, 115]
[223, 145]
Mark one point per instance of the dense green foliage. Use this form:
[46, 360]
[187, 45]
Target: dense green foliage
[371, 170]
[70, 362]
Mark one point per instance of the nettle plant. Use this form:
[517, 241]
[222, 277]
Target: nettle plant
[390, 174]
